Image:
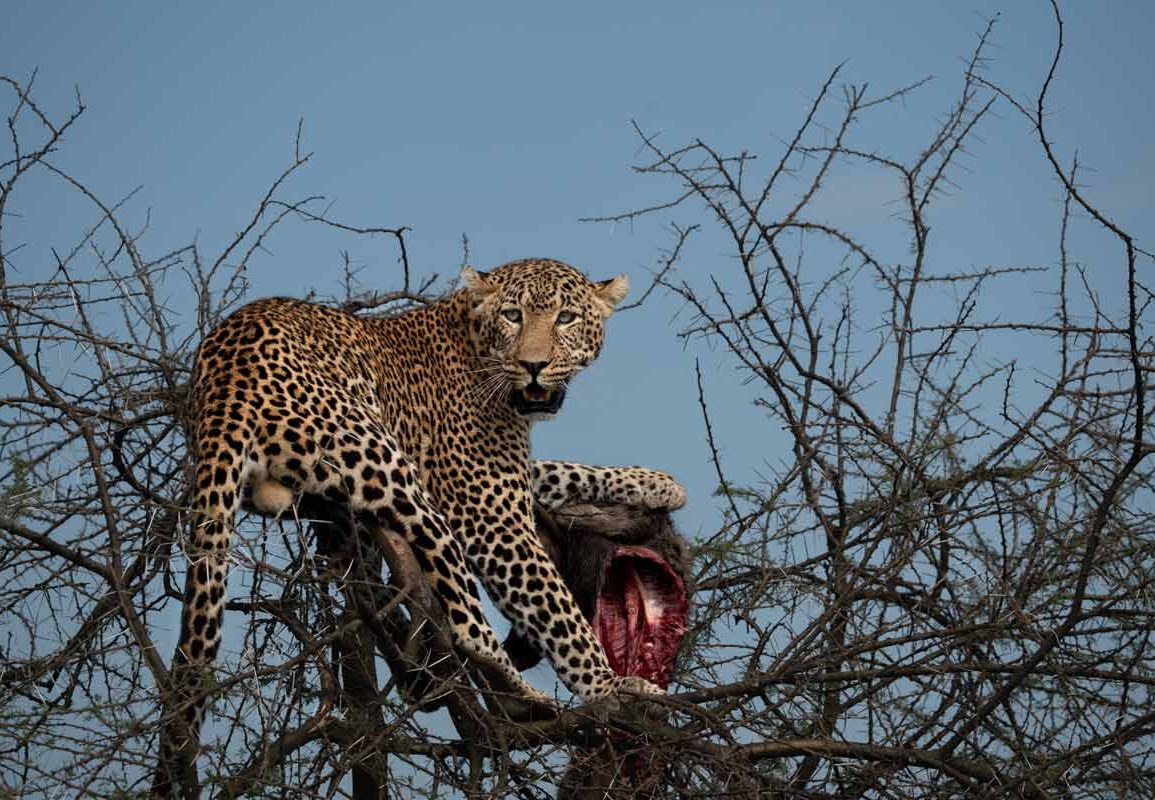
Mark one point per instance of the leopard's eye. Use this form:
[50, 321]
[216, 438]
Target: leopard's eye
[566, 317]
[512, 314]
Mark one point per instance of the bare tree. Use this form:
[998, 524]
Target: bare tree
[944, 589]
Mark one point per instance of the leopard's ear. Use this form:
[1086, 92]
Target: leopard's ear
[476, 281]
[610, 293]
[479, 287]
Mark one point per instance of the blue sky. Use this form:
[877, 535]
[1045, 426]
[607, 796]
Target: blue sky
[508, 122]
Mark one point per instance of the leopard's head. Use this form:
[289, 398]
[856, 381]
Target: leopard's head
[535, 324]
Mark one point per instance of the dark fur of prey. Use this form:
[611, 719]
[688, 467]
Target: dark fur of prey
[581, 540]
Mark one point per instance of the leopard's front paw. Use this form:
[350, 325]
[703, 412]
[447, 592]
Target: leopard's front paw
[620, 690]
[631, 684]
[659, 491]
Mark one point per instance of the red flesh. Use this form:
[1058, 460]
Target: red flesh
[641, 614]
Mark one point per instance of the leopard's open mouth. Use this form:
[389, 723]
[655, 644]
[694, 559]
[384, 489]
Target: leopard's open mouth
[536, 399]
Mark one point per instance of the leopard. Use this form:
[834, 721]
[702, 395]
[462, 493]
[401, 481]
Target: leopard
[421, 422]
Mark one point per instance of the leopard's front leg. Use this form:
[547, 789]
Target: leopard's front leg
[501, 543]
[559, 483]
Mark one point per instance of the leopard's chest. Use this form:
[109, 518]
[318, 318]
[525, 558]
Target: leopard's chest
[470, 448]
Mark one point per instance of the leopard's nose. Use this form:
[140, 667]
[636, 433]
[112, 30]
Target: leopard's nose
[534, 367]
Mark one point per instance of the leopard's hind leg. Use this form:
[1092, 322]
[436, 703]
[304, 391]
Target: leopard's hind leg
[221, 447]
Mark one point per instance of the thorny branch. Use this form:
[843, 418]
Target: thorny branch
[946, 590]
